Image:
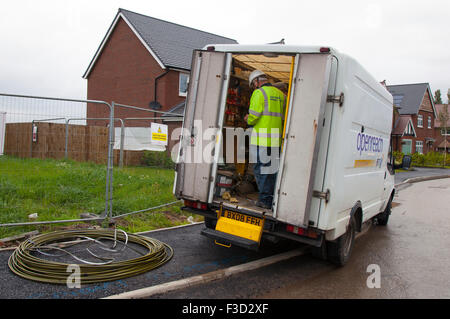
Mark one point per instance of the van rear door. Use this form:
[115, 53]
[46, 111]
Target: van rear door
[203, 118]
[304, 129]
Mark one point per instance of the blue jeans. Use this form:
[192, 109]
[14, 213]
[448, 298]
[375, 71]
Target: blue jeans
[266, 165]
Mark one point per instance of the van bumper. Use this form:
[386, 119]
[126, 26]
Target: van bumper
[228, 239]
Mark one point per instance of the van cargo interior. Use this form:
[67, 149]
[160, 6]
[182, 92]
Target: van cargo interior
[235, 182]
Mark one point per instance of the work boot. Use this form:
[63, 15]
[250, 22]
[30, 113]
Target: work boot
[263, 205]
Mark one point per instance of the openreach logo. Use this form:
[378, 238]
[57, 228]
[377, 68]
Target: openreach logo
[209, 145]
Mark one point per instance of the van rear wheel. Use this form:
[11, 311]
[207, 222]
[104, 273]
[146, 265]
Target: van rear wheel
[339, 251]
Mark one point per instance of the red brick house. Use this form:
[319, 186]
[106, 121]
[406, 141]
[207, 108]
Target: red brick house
[442, 130]
[413, 126]
[144, 62]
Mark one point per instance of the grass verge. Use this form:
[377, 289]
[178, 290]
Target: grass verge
[63, 189]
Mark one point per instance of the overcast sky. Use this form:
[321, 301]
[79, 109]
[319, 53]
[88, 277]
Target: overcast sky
[47, 45]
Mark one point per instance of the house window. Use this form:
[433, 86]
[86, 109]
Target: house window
[409, 130]
[429, 121]
[183, 84]
[419, 147]
[420, 121]
[443, 132]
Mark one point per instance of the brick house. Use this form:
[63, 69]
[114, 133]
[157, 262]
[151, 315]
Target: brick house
[442, 131]
[413, 126]
[144, 62]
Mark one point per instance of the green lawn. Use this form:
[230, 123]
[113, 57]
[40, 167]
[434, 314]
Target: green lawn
[60, 189]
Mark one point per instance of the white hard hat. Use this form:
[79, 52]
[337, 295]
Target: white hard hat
[254, 75]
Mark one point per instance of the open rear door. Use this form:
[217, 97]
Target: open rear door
[203, 118]
[302, 138]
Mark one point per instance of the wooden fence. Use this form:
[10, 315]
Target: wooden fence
[85, 143]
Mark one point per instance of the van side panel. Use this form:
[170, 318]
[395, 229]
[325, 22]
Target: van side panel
[200, 125]
[359, 148]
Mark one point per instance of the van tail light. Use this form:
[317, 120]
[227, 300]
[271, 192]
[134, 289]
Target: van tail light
[324, 50]
[302, 231]
[196, 205]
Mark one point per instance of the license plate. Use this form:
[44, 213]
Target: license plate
[241, 225]
[242, 218]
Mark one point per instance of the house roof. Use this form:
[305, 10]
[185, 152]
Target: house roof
[409, 97]
[169, 43]
[440, 108]
[177, 110]
[443, 145]
[401, 123]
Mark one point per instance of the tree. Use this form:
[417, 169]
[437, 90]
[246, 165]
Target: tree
[437, 97]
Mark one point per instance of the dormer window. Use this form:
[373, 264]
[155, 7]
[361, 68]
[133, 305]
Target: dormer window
[409, 131]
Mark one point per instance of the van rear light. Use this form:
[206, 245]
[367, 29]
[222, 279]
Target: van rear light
[211, 48]
[302, 231]
[196, 205]
[324, 50]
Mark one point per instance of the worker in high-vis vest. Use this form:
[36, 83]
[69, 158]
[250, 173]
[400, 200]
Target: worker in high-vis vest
[266, 114]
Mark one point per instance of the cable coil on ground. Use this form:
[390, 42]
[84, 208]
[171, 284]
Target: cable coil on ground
[24, 262]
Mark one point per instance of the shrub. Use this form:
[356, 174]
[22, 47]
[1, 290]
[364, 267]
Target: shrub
[398, 156]
[157, 159]
[434, 158]
[417, 159]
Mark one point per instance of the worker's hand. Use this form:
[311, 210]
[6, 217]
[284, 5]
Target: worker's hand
[245, 118]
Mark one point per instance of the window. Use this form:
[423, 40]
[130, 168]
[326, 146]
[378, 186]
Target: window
[443, 131]
[429, 121]
[409, 130]
[419, 120]
[183, 84]
[419, 147]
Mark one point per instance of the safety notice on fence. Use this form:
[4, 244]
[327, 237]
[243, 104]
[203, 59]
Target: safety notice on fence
[159, 134]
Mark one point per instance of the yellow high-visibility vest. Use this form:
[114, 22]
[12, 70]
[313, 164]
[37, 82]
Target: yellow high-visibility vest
[266, 114]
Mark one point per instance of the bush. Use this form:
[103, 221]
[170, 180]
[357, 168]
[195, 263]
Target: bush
[398, 156]
[429, 159]
[417, 159]
[157, 159]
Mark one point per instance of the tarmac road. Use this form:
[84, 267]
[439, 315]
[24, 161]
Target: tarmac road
[195, 255]
[418, 172]
[411, 255]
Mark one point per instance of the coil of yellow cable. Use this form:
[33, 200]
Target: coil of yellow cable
[27, 265]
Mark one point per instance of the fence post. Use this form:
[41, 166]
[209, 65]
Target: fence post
[111, 158]
[31, 139]
[122, 142]
[66, 140]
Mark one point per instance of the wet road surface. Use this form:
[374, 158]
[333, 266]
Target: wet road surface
[411, 252]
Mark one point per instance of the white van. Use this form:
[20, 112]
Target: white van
[336, 169]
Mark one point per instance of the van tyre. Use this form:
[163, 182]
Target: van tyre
[383, 218]
[339, 251]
